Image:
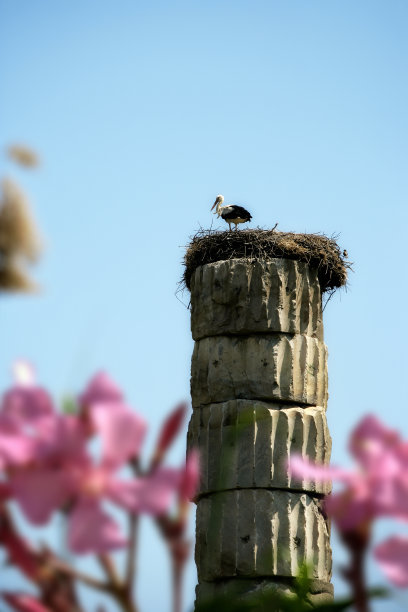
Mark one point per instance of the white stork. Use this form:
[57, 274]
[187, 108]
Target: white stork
[231, 213]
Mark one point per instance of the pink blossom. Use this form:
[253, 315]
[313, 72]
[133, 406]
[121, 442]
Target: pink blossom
[371, 441]
[302, 467]
[392, 556]
[383, 457]
[59, 439]
[26, 404]
[122, 432]
[22, 602]
[49, 467]
[18, 550]
[63, 474]
[42, 481]
[378, 488]
[100, 389]
[25, 401]
[40, 491]
[4, 492]
[190, 476]
[15, 448]
[350, 508]
[91, 530]
[151, 494]
[169, 430]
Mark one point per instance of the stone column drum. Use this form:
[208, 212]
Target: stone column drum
[259, 394]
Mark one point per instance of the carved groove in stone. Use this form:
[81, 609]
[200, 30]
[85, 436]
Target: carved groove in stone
[241, 297]
[264, 367]
[261, 533]
[247, 444]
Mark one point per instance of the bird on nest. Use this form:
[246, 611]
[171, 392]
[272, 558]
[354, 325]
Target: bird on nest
[230, 213]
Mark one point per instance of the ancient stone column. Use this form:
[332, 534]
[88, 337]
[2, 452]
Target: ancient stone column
[259, 394]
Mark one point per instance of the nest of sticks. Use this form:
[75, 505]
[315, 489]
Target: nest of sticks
[317, 250]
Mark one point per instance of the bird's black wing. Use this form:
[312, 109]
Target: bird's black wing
[237, 212]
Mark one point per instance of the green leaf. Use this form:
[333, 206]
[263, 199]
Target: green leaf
[69, 405]
[303, 582]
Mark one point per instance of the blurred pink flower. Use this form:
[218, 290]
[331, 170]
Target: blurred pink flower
[370, 441]
[22, 409]
[187, 489]
[169, 431]
[48, 465]
[22, 602]
[100, 389]
[304, 468]
[190, 476]
[91, 530]
[383, 457]
[392, 556]
[15, 447]
[18, 550]
[350, 508]
[378, 488]
[41, 480]
[24, 403]
[122, 432]
[54, 470]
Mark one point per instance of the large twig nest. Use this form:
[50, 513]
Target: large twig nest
[319, 251]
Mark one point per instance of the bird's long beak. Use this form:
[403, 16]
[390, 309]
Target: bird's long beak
[214, 205]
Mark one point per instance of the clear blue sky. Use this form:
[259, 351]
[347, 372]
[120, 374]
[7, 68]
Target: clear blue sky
[143, 112]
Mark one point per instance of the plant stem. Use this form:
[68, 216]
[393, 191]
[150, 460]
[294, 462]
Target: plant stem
[119, 590]
[110, 571]
[131, 560]
[177, 583]
[357, 543]
[124, 601]
[68, 570]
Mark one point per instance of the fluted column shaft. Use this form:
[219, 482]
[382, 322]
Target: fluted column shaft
[259, 394]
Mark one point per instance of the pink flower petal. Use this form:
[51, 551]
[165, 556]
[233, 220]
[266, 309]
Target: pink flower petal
[61, 438]
[150, 495]
[190, 476]
[16, 450]
[22, 602]
[389, 494]
[100, 389]
[169, 430]
[122, 432]
[40, 491]
[305, 469]
[351, 509]
[18, 550]
[4, 491]
[392, 556]
[26, 404]
[370, 441]
[91, 530]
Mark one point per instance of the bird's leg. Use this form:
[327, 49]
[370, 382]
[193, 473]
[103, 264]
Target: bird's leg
[229, 225]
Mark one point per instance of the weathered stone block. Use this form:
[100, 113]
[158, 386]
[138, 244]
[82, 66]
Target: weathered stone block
[259, 533]
[258, 592]
[241, 297]
[276, 367]
[247, 444]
